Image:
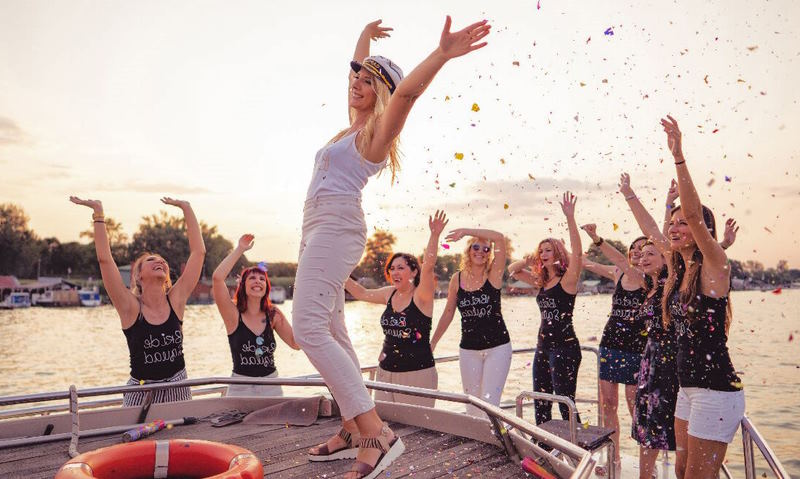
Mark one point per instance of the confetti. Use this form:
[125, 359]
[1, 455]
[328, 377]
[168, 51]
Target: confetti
[505, 206]
[728, 179]
[530, 176]
[475, 107]
[767, 230]
[459, 156]
[705, 79]
[791, 337]
[616, 226]
[710, 182]
[609, 31]
[262, 266]
[446, 98]
[445, 246]
[515, 63]
[538, 4]
[586, 425]
[715, 130]
[141, 382]
[452, 185]
[418, 335]
[777, 291]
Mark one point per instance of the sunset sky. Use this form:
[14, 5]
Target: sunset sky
[225, 103]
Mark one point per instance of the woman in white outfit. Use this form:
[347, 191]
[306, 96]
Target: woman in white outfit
[485, 349]
[334, 234]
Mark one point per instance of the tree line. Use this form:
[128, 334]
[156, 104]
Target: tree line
[25, 255]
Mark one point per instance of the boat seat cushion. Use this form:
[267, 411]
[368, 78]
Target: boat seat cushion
[590, 438]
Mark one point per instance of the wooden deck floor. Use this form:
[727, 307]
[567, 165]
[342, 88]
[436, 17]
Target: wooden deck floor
[282, 452]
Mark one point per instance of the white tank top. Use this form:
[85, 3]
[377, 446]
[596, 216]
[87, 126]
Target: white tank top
[339, 168]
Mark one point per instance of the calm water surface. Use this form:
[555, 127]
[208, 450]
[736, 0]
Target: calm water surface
[49, 349]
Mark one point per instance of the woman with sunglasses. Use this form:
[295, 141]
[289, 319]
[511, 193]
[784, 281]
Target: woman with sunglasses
[485, 349]
[335, 232]
[406, 357]
[558, 354]
[250, 320]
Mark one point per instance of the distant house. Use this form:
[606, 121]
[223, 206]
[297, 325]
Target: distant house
[45, 291]
[520, 288]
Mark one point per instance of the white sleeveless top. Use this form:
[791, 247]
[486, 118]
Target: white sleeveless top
[340, 169]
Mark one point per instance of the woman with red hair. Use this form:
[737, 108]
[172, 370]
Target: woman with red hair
[250, 319]
[555, 272]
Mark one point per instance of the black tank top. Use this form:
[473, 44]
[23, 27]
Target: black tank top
[625, 331]
[407, 342]
[253, 354]
[556, 330]
[156, 351]
[703, 358]
[482, 325]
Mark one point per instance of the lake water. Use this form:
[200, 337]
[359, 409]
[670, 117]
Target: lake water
[49, 349]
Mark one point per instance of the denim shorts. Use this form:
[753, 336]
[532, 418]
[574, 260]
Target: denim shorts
[620, 367]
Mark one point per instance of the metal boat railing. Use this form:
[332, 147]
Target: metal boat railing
[750, 435]
[498, 417]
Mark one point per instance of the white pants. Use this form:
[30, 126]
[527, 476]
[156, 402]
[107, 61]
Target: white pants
[484, 373]
[334, 235]
[254, 389]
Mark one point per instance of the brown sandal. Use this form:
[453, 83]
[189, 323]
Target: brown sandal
[350, 451]
[389, 452]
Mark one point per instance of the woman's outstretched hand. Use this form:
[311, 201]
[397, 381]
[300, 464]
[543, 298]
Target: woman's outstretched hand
[376, 31]
[95, 205]
[175, 202]
[568, 204]
[456, 44]
[673, 137]
[625, 185]
[246, 242]
[437, 222]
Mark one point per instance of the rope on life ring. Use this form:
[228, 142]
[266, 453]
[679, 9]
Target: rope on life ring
[178, 457]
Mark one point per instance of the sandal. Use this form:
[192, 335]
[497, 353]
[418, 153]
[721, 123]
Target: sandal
[389, 452]
[349, 451]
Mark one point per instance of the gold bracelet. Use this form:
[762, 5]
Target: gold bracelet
[98, 216]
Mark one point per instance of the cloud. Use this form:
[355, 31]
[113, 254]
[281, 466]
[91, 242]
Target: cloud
[11, 133]
[136, 186]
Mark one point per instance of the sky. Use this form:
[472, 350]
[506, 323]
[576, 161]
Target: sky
[225, 104]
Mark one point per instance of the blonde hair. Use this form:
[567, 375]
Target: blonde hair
[136, 271]
[466, 260]
[382, 97]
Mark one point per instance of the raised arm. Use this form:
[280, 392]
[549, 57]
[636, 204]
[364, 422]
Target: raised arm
[372, 31]
[605, 270]
[282, 326]
[360, 293]
[121, 297]
[499, 242]
[451, 45]
[222, 298]
[615, 256]
[521, 270]
[646, 222]
[425, 292]
[448, 313]
[715, 262]
[570, 279]
[672, 195]
[187, 281]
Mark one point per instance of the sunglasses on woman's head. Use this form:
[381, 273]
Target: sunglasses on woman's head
[477, 247]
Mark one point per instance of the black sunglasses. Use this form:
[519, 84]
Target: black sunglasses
[477, 247]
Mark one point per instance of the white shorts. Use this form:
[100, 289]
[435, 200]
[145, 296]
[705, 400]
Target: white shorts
[254, 389]
[712, 415]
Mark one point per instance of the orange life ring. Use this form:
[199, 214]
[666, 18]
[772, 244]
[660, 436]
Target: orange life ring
[178, 457]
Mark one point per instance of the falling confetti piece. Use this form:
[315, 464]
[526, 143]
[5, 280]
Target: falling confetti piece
[418, 335]
[530, 176]
[445, 246]
[505, 206]
[767, 230]
[705, 79]
[515, 63]
[791, 337]
[728, 179]
[583, 84]
[502, 161]
[753, 48]
[262, 266]
[475, 107]
[777, 290]
[609, 31]
[715, 130]
[446, 98]
[586, 424]
[710, 182]
[459, 156]
[616, 226]
[539, 5]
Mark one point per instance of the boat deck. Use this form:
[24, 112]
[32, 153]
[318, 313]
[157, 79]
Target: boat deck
[282, 451]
